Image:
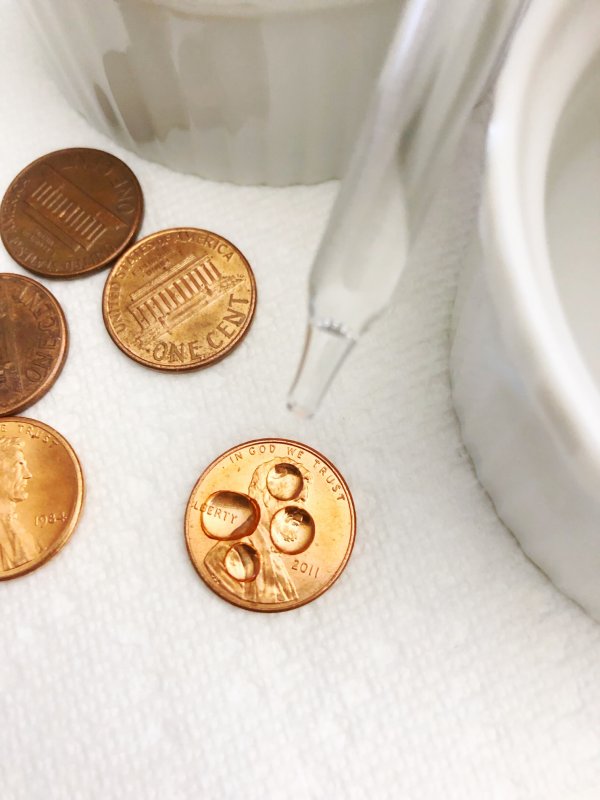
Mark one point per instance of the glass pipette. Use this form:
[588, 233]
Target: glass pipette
[441, 57]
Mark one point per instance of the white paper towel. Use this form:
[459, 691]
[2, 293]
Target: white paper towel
[442, 664]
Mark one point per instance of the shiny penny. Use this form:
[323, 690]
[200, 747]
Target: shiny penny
[41, 494]
[33, 342]
[179, 299]
[71, 212]
[270, 525]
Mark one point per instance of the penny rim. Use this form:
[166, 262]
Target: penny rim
[75, 517]
[35, 395]
[129, 234]
[230, 596]
[164, 367]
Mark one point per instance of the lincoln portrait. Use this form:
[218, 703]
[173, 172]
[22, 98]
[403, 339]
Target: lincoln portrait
[17, 545]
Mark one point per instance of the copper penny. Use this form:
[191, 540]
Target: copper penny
[33, 342]
[71, 212]
[270, 525]
[41, 494]
[179, 299]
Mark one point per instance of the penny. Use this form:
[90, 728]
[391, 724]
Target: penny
[270, 525]
[41, 494]
[71, 212]
[33, 342]
[179, 299]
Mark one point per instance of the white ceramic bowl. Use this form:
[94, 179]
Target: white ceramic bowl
[525, 359]
[265, 92]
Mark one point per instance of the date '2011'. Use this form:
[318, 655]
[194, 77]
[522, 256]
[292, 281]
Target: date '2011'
[305, 568]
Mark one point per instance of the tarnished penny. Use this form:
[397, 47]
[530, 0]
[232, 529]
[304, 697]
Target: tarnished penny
[179, 299]
[41, 494]
[33, 342]
[71, 212]
[294, 548]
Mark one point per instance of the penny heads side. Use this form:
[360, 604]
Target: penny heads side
[179, 299]
[41, 494]
[33, 342]
[294, 548]
[71, 212]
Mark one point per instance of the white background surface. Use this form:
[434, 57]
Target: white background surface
[441, 665]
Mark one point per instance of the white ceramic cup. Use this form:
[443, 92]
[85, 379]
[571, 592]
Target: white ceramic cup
[525, 358]
[265, 92]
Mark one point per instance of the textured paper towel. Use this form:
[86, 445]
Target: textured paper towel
[442, 664]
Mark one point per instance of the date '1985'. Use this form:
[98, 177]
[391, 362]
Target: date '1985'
[42, 520]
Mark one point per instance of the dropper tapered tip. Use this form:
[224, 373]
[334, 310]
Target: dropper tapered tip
[324, 351]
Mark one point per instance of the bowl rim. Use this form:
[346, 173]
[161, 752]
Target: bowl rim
[551, 365]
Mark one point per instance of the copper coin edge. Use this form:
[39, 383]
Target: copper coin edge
[137, 222]
[264, 608]
[58, 367]
[52, 551]
[192, 367]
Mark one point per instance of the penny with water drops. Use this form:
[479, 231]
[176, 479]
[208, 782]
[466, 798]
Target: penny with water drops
[33, 342]
[71, 212]
[41, 494]
[179, 299]
[270, 525]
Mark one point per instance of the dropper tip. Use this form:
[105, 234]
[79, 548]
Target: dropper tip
[324, 351]
[298, 409]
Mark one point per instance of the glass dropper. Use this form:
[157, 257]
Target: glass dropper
[441, 57]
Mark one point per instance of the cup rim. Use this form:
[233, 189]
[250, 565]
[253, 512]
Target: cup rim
[258, 8]
[552, 367]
